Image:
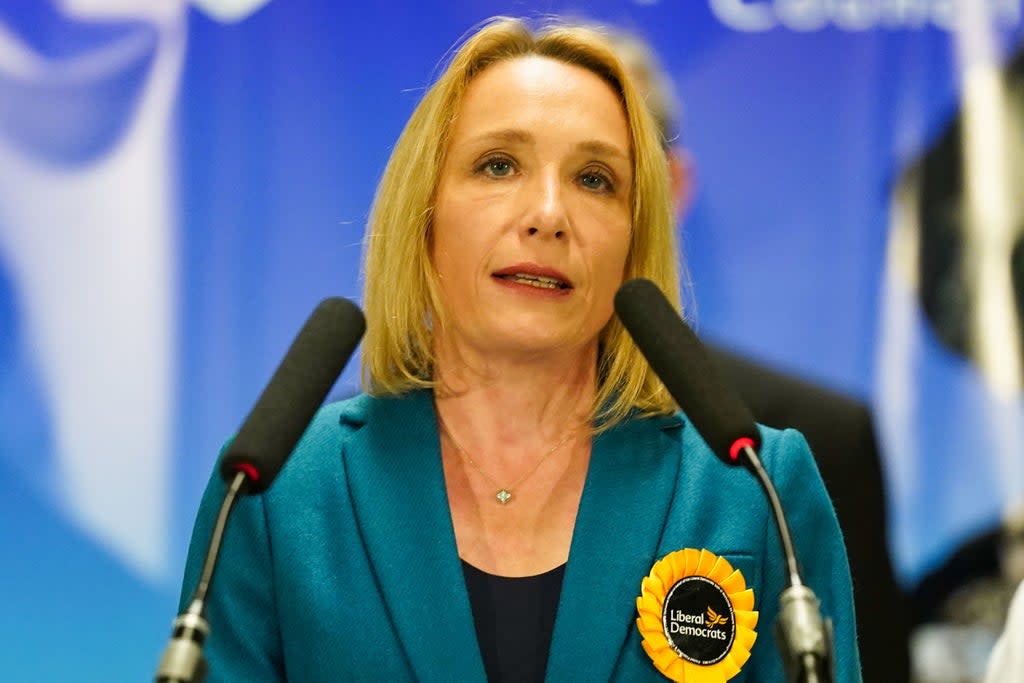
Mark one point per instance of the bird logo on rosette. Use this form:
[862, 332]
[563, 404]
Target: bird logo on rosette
[714, 618]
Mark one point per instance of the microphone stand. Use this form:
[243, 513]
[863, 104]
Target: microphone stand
[183, 660]
[803, 637]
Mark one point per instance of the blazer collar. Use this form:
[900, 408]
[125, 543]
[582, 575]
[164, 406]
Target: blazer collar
[401, 506]
[630, 485]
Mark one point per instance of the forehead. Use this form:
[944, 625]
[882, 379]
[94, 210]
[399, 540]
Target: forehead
[537, 92]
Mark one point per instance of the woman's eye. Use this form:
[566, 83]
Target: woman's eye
[497, 167]
[596, 181]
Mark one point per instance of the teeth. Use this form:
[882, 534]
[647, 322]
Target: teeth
[537, 281]
[546, 283]
[527, 276]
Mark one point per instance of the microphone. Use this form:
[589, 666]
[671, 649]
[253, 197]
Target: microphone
[256, 455]
[678, 358]
[295, 392]
[681, 363]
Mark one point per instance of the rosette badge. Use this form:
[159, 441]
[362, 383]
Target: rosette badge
[696, 617]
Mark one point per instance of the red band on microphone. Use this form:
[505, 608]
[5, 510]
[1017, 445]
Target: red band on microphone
[249, 471]
[738, 445]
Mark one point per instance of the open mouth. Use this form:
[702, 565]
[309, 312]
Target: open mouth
[538, 281]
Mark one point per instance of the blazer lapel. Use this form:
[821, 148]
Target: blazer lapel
[401, 506]
[629, 488]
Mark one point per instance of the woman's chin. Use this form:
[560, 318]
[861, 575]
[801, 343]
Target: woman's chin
[540, 341]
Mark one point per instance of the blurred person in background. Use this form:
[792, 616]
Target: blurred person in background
[839, 428]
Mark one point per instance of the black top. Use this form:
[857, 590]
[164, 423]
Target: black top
[514, 619]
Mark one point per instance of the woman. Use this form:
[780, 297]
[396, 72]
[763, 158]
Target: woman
[489, 509]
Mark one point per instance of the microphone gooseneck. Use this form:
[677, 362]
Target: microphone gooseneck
[678, 358]
[805, 637]
[183, 661]
[256, 455]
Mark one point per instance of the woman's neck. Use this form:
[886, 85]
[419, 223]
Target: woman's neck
[514, 405]
[515, 447]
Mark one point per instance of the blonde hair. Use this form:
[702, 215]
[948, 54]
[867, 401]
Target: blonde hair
[651, 80]
[401, 298]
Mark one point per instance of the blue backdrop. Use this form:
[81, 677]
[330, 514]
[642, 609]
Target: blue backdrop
[181, 183]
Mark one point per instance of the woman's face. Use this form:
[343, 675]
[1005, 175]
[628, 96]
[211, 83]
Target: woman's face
[533, 215]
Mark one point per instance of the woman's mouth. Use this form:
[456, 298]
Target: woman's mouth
[538, 281]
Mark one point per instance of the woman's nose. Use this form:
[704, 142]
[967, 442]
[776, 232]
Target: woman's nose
[547, 214]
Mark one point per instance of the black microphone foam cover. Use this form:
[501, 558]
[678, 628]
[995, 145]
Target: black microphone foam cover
[679, 359]
[294, 394]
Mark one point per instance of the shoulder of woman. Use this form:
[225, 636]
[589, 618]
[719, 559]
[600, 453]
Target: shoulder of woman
[785, 451]
[779, 447]
[330, 426]
[325, 444]
[338, 421]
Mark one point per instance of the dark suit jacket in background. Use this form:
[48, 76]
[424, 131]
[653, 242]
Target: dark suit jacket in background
[841, 434]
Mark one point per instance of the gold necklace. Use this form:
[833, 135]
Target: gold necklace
[504, 493]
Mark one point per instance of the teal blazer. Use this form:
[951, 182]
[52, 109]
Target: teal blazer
[347, 569]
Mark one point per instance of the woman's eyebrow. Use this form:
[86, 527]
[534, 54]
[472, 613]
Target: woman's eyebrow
[601, 148]
[504, 135]
[520, 136]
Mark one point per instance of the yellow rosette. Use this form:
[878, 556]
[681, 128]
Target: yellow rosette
[696, 617]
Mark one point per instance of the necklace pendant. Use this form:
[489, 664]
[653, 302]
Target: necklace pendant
[503, 496]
